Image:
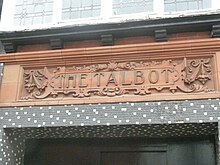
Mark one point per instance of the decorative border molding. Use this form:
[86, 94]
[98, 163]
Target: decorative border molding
[121, 79]
[16, 63]
[121, 53]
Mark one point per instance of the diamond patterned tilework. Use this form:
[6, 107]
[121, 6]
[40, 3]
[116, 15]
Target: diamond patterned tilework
[144, 119]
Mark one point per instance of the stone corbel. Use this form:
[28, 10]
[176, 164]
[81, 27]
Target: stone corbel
[56, 44]
[215, 31]
[160, 35]
[107, 40]
[9, 47]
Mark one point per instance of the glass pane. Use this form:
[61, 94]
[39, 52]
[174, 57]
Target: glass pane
[39, 8]
[96, 2]
[29, 2]
[49, 7]
[132, 6]
[75, 15]
[37, 20]
[200, 5]
[47, 19]
[183, 5]
[66, 15]
[33, 12]
[170, 7]
[87, 3]
[96, 13]
[28, 21]
[86, 13]
[74, 9]
[193, 5]
[22, 22]
[19, 2]
[30, 8]
[18, 10]
[76, 3]
[66, 3]
[17, 21]
[206, 4]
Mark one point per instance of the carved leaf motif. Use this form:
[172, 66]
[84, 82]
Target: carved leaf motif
[199, 70]
[114, 91]
[34, 79]
[81, 93]
[35, 82]
[142, 91]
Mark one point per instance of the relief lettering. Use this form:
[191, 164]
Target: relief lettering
[138, 77]
[166, 73]
[67, 80]
[71, 78]
[123, 78]
[153, 76]
[98, 80]
[82, 78]
[60, 80]
[111, 79]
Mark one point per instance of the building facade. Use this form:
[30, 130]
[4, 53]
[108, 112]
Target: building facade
[109, 83]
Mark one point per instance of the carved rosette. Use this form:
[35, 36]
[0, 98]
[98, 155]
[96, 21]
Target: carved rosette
[123, 78]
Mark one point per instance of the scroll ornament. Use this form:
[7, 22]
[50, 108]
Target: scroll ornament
[120, 78]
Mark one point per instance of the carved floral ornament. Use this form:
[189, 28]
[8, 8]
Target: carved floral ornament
[122, 78]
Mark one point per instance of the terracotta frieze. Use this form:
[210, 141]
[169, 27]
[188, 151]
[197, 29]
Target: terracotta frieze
[134, 78]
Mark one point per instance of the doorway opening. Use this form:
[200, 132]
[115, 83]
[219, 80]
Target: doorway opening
[121, 151]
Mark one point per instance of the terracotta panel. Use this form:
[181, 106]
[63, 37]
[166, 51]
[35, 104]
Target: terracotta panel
[188, 36]
[114, 62]
[9, 92]
[127, 52]
[33, 47]
[82, 44]
[164, 97]
[11, 73]
[217, 60]
[134, 40]
[116, 80]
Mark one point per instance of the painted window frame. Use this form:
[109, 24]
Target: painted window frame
[7, 17]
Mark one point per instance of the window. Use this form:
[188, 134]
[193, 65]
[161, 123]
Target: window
[30, 12]
[183, 5]
[132, 6]
[47, 13]
[73, 9]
